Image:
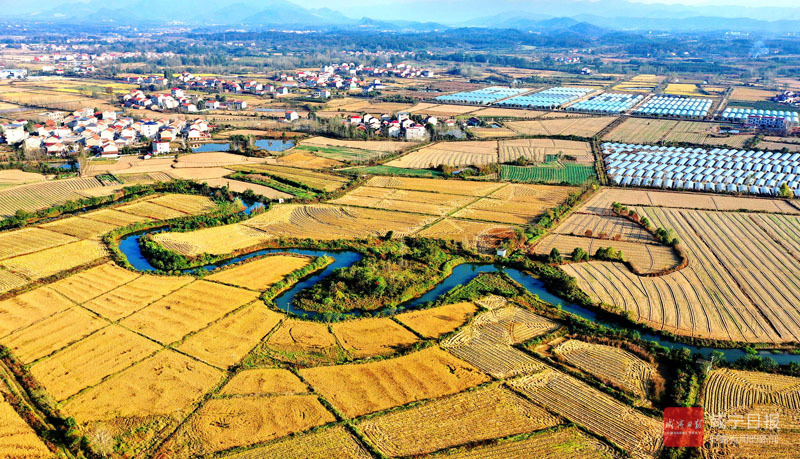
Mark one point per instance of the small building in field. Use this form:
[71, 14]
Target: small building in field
[292, 115]
[160, 147]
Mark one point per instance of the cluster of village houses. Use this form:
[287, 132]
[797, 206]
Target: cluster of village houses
[177, 100]
[346, 76]
[788, 98]
[400, 126]
[101, 134]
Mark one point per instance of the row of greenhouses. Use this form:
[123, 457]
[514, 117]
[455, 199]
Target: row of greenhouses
[699, 169]
[483, 96]
[547, 99]
[607, 103]
[675, 106]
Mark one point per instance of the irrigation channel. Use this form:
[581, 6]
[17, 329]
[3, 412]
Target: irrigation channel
[461, 274]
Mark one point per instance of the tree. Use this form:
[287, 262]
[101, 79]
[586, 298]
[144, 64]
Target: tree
[555, 256]
[579, 254]
[785, 191]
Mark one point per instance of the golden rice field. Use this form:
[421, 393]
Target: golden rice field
[221, 424]
[228, 340]
[55, 260]
[484, 133]
[114, 217]
[240, 186]
[306, 160]
[83, 228]
[579, 126]
[186, 310]
[261, 273]
[334, 443]
[639, 435]
[472, 416]
[461, 187]
[264, 381]
[41, 195]
[303, 343]
[317, 180]
[404, 200]
[735, 394]
[186, 203]
[537, 150]
[470, 233]
[358, 389]
[27, 308]
[383, 146]
[751, 94]
[214, 159]
[456, 154]
[683, 89]
[17, 439]
[604, 227]
[549, 444]
[216, 240]
[434, 322]
[622, 368]
[29, 240]
[371, 337]
[135, 295]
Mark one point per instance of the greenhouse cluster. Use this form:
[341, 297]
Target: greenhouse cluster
[483, 96]
[719, 170]
[609, 102]
[665, 105]
[742, 114]
[549, 98]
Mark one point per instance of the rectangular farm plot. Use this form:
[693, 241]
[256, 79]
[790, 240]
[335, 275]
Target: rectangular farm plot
[10, 281]
[187, 203]
[404, 200]
[93, 282]
[114, 217]
[641, 130]
[79, 227]
[29, 307]
[640, 435]
[222, 424]
[461, 187]
[217, 240]
[52, 333]
[90, 360]
[261, 273]
[516, 204]
[332, 443]
[538, 149]
[30, 240]
[471, 416]
[579, 126]
[17, 439]
[55, 260]
[225, 342]
[434, 322]
[165, 383]
[316, 180]
[370, 337]
[358, 389]
[473, 153]
[187, 310]
[481, 235]
[151, 210]
[264, 381]
[552, 444]
[303, 159]
[135, 295]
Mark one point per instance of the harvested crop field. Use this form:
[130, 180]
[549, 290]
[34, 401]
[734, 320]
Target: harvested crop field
[261, 273]
[302, 342]
[601, 202]
[217, 240]
[370, 337]
[645, 258]
[17, 439]
[491, 132]
[226, 341]
[332, 443]
[579, 126]
[482, 235]
[29, 240]
[52, 333]
[471, 416]
[442, 109]
[622, 368]
[471, 153]
[751, 94]
[351, 150]
[186, 310]
[151, 210]
[135, 295]
[79, 227]
[506, 113]
[41, 195]
[404, 200]
[317, 180]
[88, 361]
[737, 394]
[358, 389]
[550, 444]
[604, 227]
[434, 322]
[640, 435]
[165, 383]
[240, 186]
[303, 159]
[650, 131]
[515, 203]
[221, 424]
[537, 149]
[214, 159]
[186, 203]
[27, 308]
[55, 260]
[114, 217]
[461, 187]
[263, 382]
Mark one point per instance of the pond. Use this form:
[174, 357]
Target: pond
[264, 144]
[207, 147]
[462, 274]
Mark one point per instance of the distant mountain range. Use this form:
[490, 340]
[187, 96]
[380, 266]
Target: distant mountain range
[523, 15]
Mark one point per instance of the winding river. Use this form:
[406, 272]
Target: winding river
[461, 274]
